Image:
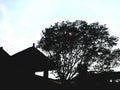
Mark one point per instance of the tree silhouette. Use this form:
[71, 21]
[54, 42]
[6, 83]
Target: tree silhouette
[72, 43]
[115, 55]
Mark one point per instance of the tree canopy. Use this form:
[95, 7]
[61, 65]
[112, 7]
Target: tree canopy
[72, 43]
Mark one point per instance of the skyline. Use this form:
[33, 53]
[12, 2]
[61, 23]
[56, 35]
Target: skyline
[22, 21]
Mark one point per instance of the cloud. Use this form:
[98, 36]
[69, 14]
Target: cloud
[3, 9]
[5, 21]
[7, 36]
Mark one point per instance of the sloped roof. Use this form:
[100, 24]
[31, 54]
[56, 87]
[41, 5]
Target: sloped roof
[4, 56]
[32, 58]
[3, 53]
[4, 60]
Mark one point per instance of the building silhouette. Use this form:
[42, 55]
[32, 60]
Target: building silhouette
[18, 71]
[31, 60]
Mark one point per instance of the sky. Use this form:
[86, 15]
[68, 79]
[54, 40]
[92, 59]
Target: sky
[22, 21]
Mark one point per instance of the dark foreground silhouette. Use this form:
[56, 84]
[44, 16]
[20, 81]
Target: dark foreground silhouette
[18, 70]
[18, 73]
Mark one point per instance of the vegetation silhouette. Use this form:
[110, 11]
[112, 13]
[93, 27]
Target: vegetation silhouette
[79, 45]
[71, 43]
[81, 55]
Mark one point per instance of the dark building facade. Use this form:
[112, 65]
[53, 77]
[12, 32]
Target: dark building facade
[31, 60]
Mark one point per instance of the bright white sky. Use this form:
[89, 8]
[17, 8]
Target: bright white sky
[21, 21]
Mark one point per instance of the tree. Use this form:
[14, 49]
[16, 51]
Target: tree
[72, 43]
[115, 54]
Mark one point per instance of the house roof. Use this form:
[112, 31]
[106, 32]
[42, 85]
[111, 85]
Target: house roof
[3, 53]
[4, 60]
[31, 58]
[4, 56]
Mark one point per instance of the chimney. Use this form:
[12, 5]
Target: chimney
[1, 47]
[33, 44]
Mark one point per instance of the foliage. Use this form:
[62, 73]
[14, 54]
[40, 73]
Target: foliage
[116, 57]
[70, 43]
